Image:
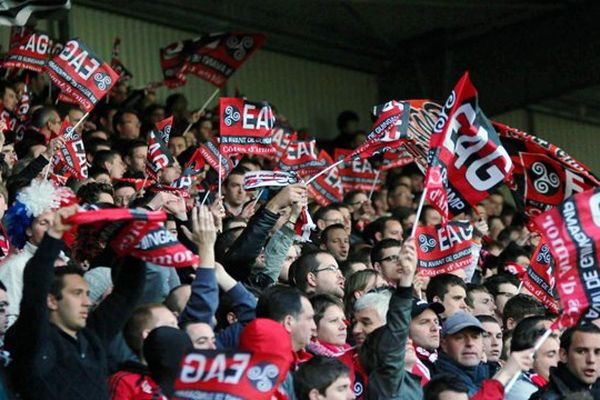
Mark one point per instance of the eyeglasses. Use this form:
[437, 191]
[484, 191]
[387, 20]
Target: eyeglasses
[393, 258]
[330, 268]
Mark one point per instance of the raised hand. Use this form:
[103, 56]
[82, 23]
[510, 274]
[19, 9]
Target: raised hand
[408, 262]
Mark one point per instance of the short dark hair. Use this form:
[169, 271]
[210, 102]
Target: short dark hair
[567, 337]
[103, 156]
[487, 318]
[527, 332]
[321, 212]
[91, 191]
[440, 383]
[138, 321]
[327, 231]
[379, 247]
[321, 302]
[493, 283]
[439, 285]
[304, 265]
[58, 282]
[317, 373]
[42, 115]
[520, 306]
[117, 119]
[239, 170]
[279, 301]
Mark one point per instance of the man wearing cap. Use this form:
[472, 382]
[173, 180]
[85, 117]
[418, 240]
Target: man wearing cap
[462, 349]
[424, 330]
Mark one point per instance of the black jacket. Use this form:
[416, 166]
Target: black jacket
[563, 382]
[48, 363]
[385, 348]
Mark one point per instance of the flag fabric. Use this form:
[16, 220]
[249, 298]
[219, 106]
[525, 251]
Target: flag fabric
[356, 174]
[246, 126]
[193, 167]
[66, 99]
[327, 188]
[29, 50]
[423, 116]
[164, 128]
[539, 279]
[260, 179]
[389, 131]
[24, 104]
[210, 152]
[444, 248]
[303, 158]
[158, 156]
[396, 159]
[215, 57]
[283, 136]
[230, 374]
[174, 63]
[571, 231]
[81, 74]
[544, 175]
[70, 160]
[466, 159]
[10, 118]
[116, 64]
[18, 12]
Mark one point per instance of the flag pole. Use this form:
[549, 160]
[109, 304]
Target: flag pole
[52, 153]
[258, 197]
[205, 198]
[421, 202]
[536, 347]
[211, 98]
[374, 184]
[329, 168]
[219, 177]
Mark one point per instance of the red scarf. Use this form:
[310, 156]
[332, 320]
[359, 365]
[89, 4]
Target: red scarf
[4, 243]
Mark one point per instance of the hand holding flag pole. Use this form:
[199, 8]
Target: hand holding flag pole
[324, 171]
[52, 150]
[536, 347]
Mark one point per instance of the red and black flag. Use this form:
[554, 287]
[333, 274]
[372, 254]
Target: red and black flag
[70, 160]
[444, 248]
[164, 128]
[210, 152]
[216, 56]
[159, 156]
[396, 159]
[116, 64]
[174, 63]
[389, 132]
[193, 167]
[29, 49]
[572, 232]
[423, 116]
[327, 188]
[303, 158]
[544, 175]
[539, 279]
[466, 159]
[283, 136]
[246, 127]
[356, 173]
[81, 74]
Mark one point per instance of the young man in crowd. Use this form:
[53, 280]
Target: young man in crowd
[450, 291]
[323, 378]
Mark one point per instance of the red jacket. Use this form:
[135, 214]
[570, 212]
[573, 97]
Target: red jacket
[491, 389]
[133, 382]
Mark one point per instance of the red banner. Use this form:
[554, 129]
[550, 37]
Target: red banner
[174, 63]
[539, 279]
[444, 248]
[212, 374]
[544, 175]
[356, 174]
[210, 152]
[301, 157]
[70, 160]
[81, 75]
[282, 137]
[29, 49]
[246, 126]
[192, 168]
[327, 188]
[216, 56]
[572, 231]
[466, 160]
[423, 116]
[164, 128]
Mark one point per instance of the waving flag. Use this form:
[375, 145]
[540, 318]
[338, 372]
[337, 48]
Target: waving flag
[356, 174]
[327, 188]
[70, 160]
[466, 159]
[192, 168]
[544, 175]
[444, 248]
[539, 279]
[174, 63]
[116, 64]
[81, 74]
[210, 152]
[159, 156]
[164, 128]
[302, 157]
[246, 126]
[572, 231]
[283, 136]
[259, 179]
[423, 116]
[29, 50]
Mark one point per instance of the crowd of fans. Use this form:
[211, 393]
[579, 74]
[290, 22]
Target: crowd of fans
[349, 308]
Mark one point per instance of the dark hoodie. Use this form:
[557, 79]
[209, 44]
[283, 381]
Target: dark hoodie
[163, 350]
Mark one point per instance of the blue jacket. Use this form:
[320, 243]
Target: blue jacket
[472, 377]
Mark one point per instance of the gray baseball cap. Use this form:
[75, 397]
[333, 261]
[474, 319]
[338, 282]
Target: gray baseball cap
[459, 321]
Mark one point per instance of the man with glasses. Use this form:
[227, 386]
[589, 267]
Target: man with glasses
[385, 257]
[317, 272]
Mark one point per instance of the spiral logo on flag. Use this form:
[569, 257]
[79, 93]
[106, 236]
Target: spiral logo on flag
[232, 115]
[263, 376]
[426, 242]
[545, 179]
[543, 255]
[103, 81]
[238, 48]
